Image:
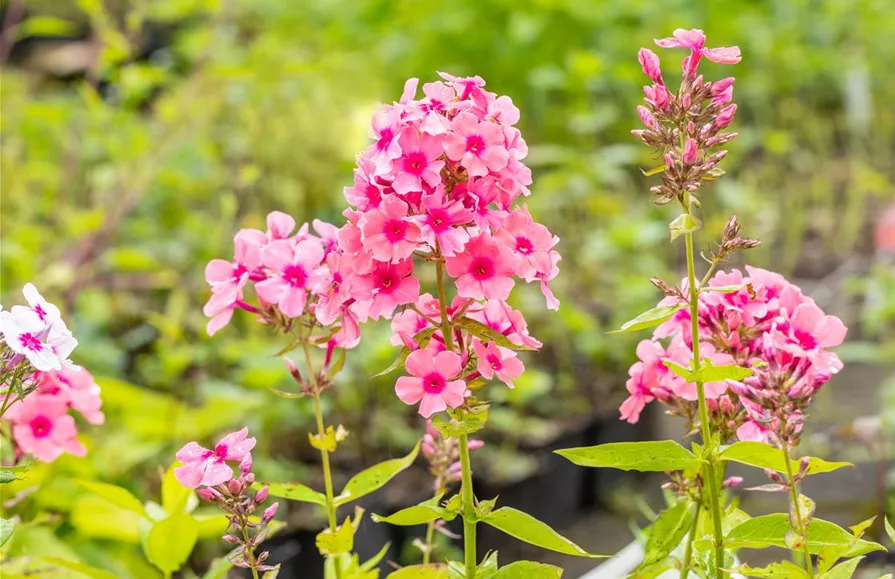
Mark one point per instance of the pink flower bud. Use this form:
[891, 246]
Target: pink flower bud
[691, 152]
[649, 61]
[669, 161]
[262, 495]
[686, 101]
[724, 97]
[249, 479]
[230, 539]
[725, 116]
[234, 486]
[646, 117]
[245, 465]
[208, 494]
[691, 128]
[732, 481]
[722, 85]
[270, 512]
[474, 444]
[293, 369]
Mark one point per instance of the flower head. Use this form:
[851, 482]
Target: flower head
[202, 466]
[432, 382]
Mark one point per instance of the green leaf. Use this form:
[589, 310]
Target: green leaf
[528, 570]
[668, 531]
[428, 510]
[174, 494]
[650, 456]
[7, 476]
[46, 26]
[708, 372]
[770, 531]
[116, 495]
[683, 223]
[331, 543]
[375, 559]
[78, 567]
[375, 477]
[724, 289]
[844, 570]
[527, 528]
[649, 318]
[890, 530]
[293, 492]
[654, 170]
[272, 573]
[434, 571]
[454, 428]
[681, 371]
[762, 455]
[485, 332]
[6, 528]
[783, 570]
[422, 339]
[171, 541]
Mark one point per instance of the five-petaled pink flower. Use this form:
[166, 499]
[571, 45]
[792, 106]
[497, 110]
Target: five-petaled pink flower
[209, 467]
[479, 146]
[384, 288]
[441, 220]
[484, 270]
[296, 273]
[494, 360]
[42, 427]
[46, 347]
[695, 40]
[387, 231]
[419, 162]
[530, 241]
[433, 381]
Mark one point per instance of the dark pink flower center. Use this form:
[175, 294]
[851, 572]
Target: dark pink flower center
[433, 105]
[475, 144]
[385, 138]
[482, 268]
[40, 312]
[395, 230]
[495, 362]
[524, 246]
[438, 220]
[386, 281]
[41, 426]
[806, 339]
[239, 270]
[220, 451]
[415, 163]
[434, 383]
[295, 275]
[30, 342]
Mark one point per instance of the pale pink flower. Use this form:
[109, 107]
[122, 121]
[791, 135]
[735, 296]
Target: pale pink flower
[494, 360]
[295, 272]
[47, 312]
[228, 278]
[441, 222]
[407, 323]
[385, 129]
[42, 428]
[501, 318]
[76, 387]
[335, 293]
[46, 348]
[432, 381]
[478, 146]
[484, 192]
[279, 225]
[465, 87]
[810, 328]
[328, 233]
[439, 100]
[484, 270]
[418, 163]
[384, 288]
[388, 234]
[209, 467]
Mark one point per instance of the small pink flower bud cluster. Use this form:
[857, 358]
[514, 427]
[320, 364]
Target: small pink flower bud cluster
[439, 183]
[295, 274]
[443, 455]
[209, 469]
[39, 384]
[767, 325]
[686, 126]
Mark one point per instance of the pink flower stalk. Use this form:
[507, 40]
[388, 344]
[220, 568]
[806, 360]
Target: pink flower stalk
[434, 384]
[387, 231]
[484, 270]
[42, 427]
[209, 467]
[494, 360]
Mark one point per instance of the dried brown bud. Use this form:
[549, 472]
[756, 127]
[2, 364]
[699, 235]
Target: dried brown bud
[666, 288]
[731, 230]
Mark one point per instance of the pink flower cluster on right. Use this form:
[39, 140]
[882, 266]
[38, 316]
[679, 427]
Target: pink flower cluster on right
[768, 325]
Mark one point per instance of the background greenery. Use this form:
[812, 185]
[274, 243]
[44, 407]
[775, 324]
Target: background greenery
[138, 136]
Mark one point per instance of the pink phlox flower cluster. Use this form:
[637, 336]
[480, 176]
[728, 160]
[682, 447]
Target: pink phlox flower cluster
[36, 333]
[207, 467]
[768, 325]
[293, 272]
[443, 455]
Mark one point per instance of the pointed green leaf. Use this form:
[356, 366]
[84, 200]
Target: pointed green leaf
[783, 570]
[770, 531]
[890, 530]
[332, 543]
[375, 559]
[433, 571]
[668, 531]
[422, 339]
[272, 573]
[683, 223]
[654, 170]
[78, 567]
[844, 570]
[762, 455]
[530, 530]
[6, 528]
[171, 541]
[7, 476]
[454, 428]
[480, 330]
[650, 318]
[528, 570]
[681, 371]
[426, 511]
[174, 494]
[375, 477]
[116, 495]
[708, 372]
[651, 456]
[724, 289]
[293, 492]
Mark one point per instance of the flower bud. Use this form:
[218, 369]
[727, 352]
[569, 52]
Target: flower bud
[249, 479]
[649, 61]
[245, 465]
[732, 229]
[691, 152]
[208, 494]
[722, 85]
[230, 539]
[646, 117]
[234, 486]
[262, 495]
[725, 116]
[293, 369]
[731, 482]
[270, 512]
[686, 101]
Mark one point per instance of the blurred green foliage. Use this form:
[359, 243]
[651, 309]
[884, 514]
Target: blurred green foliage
[138, 136]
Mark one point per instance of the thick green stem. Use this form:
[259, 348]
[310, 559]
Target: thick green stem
[324, 455]
[688, 552]
[446, 329]
[710, 482]
[468, 508]
[797, 511]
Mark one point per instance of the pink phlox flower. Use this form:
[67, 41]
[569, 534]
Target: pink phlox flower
[385, 129]
[752, 431]
[407, 323]
[42, 427]
[530, 241]
[76, 386]
[279, 225]
[478, 146]
[500, 317]
[388, 233]
[464, 86]
[365, 194]
[45, 347]
[502, 110]
[329, 235]
[228, 278]
[644, 380]
[384, 288]
[439, 100]
[348, 336]
[334, 294]
[484, 192]
[418, 163]
[494, 360]
[442, 222]
[810, 328]
[657, 95]
[351, 242]
[694, 40]
[484, 270]
[432, 381]
[294, 272]
[205, 467]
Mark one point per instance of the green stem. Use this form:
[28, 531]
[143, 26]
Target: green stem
[468, 508]
[250, 553]
[324, 455]
[794, 494]
[446, 330]
[710, 482]
[688, 552]
[430, 528]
